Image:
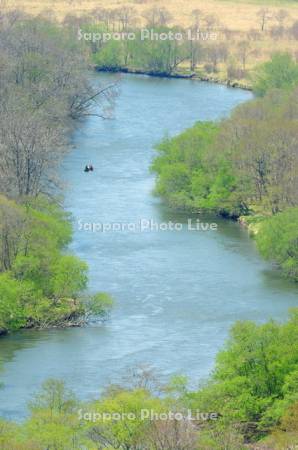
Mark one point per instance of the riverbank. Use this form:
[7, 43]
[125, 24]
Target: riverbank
[232, 167]
[180, 75]
[42, 286]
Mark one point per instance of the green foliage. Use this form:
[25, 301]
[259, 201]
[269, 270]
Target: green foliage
[192, 174]
[14, 296]
[285, 436]
[99, 304]
[277, 240]
[131, 429]
[54, 421]
[255, 378]
[69, 277]
[279, 73]
[155, 56]
[40, 285]
[53, 396]
[183, 176]
[110, 56]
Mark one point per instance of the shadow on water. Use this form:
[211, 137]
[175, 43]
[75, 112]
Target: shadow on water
[233, 237]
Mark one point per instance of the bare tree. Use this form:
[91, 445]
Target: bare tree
[144, 377]
[264, 15]
[72, 21]
[126, 16]
[173, 434]
[254, 35]
[244, 49]
[211, 21]
[48, 14]
[294, 30]
[97, 14]
[106, 16]
[164, 16]
[281, 16]
[216, 53]
[157, 16]
[197, 16]
[43, 85]
[13, 223]
[31, 148]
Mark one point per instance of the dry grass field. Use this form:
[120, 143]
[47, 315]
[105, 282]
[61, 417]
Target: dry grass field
[235, 15]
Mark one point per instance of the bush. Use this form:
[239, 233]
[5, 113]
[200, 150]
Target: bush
[43, 287]
[279, 73]
[255, 378]
[109, 57]
[191, 174]
[277, 241]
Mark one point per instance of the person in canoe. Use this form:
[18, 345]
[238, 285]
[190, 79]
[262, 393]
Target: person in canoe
[88, 168]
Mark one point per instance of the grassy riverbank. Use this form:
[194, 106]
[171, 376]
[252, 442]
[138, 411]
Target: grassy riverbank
[245, 166]
[246, 85]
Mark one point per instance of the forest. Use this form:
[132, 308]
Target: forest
[43, 89]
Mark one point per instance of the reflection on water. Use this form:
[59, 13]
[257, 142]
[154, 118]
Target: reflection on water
[177, 293]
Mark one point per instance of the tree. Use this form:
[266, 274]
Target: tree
[249, 384]
[281, 16]
[264, 16]
[13, 224]
[243, 51]
[129, 430]
[110, 56]
[261, 143]
[54, 422]
[12, 295]
[277, 241]
[173, 435]
[281, 73]
[40, 285]
[197, 16]
[157, 17]
[211, 21]
[159, 56]
[30, 151]
[43, 85]
[126, 16]
[183, 179]
[217, 53]
[294, 30]
[69, 277]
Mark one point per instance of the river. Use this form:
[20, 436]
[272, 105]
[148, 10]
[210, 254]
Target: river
[177, 292]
